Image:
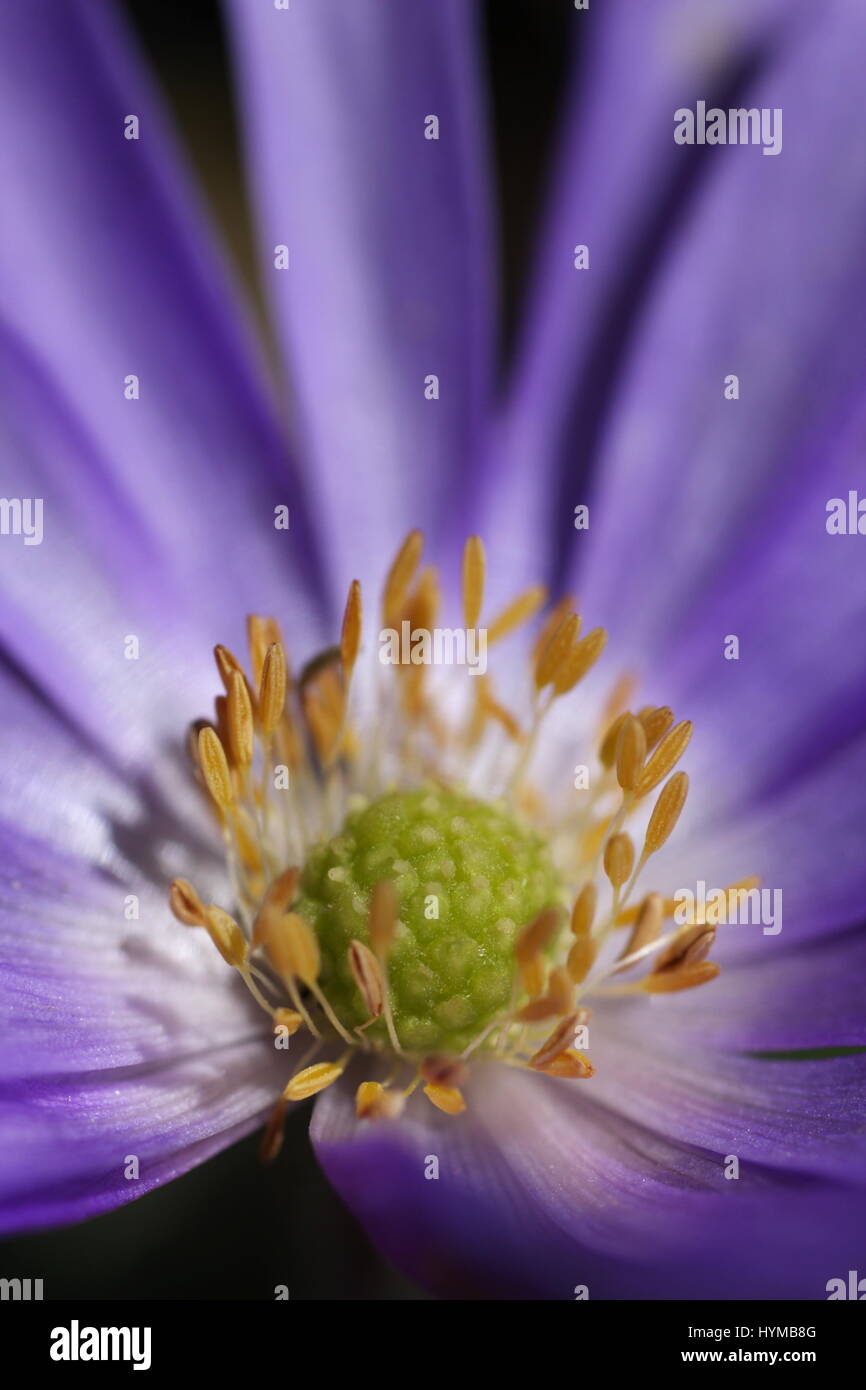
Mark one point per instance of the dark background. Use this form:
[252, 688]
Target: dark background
[231, 1229]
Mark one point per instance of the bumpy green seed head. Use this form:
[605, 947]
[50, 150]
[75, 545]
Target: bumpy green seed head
[467, 877]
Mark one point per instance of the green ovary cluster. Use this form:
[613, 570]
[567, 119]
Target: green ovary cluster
[472, 863]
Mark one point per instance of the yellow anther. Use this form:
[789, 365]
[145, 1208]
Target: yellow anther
[473, 580]
[581, 958]
[560, 1039]
[322, 687]
[240, 720]
[446, 1098]
[655, 723]
[186, 904]
[350, 637]
[557, 615]
[607, 750]
[631, 746]
[619, 859]
[367, 974]
[276, 901]
[311, 1080]
[257, 637]
[537, 934]
[400, 576]
[533, 975]
[689, 947]
[214, 767]
[560, 989]
[518, 611]
[227, 664]
[557, 651]
[666, 755]
[666, 812]
[376, 1102]
[272, 692]
[648, 925]
[583, 912]
[579, 661]
[288, 1019]
[227, 936]
[671, 981]
[300, 949]
[571, 1065]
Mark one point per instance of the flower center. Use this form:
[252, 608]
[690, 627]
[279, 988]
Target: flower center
[466, 877]
[403, 890]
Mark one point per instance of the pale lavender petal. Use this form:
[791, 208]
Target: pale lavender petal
[390, 253]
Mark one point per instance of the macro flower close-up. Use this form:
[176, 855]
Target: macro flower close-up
[432, 654]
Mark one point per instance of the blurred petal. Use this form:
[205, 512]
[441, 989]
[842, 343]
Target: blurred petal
[620, 184]
[390, 253]
[121, 1036]
[541, 1190]
[694, 488]
[110, 271]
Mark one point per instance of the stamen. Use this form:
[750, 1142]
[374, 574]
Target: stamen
[376, 1102]
[367, 974]
[186, 904]
[215, 768]
[350, 637]
[556, 652]
[299, 941]
[473, 581]
[446, 1098]
[631, 746]
[517, 612]
[240, 720]
[666, 755]
[272, 692]
[312, 1080]
[400, 577]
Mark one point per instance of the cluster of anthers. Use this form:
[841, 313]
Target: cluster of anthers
[397, 916]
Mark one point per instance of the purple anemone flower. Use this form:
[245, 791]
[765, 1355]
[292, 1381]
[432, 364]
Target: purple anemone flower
[535, 1078]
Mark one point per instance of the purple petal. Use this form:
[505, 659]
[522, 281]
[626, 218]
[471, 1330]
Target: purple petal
[805, 842]
[786, 1001]
[695, 489]
[390, 263]
[120, 1037]
[541, 1190]
[805, 1116]
[619, 186]
[150, 524]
